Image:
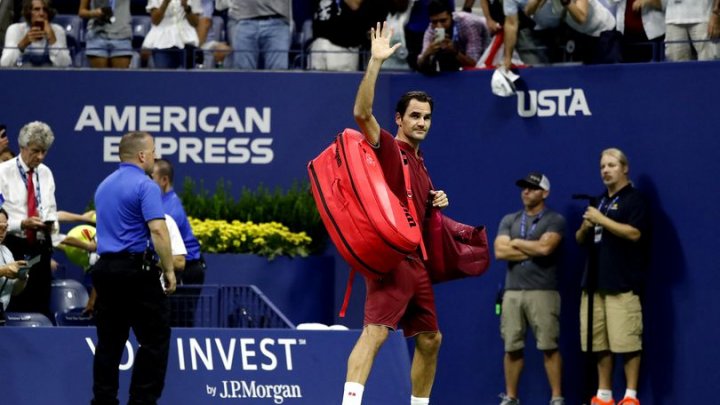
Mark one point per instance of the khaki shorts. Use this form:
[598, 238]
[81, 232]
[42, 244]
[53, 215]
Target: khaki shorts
[538, 308]
[617, 323]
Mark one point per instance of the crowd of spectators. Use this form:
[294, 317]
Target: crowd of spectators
[435, 35]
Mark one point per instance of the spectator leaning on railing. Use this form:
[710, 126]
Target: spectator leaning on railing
[595, 26]
[35, 42]
[541, 37]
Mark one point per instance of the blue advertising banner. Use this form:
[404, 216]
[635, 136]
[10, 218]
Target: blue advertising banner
[231, 127]
[206, 366]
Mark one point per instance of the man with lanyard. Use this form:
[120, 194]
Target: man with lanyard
[619, 231]
[528, 240]
[28, 187]
[131, 293]
[404, 296]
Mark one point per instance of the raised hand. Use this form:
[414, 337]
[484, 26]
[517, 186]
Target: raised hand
[380, 41]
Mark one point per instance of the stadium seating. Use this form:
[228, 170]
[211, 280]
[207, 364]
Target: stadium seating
[140, 27]
[74, 27]
[27, 319]
[74, 317]
[67, 294]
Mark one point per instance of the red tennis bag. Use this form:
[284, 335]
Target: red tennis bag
[371, 228]
[454, 250]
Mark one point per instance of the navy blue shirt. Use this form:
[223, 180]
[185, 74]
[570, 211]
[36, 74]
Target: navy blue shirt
[173, 207]
[124, 203]
[622, 263]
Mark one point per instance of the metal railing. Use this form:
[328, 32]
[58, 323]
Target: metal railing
[299, 57]
[224, 306]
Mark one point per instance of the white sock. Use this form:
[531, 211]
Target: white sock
[419, 401]
[605, 395]
[631, 393]
[352, 393]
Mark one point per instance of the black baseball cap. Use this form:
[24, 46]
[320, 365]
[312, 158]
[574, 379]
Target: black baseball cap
[534, 180]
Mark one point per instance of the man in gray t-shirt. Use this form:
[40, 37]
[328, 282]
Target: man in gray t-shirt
[259, 32]
[528, 240]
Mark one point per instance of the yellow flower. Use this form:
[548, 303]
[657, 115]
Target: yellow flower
[270, 239]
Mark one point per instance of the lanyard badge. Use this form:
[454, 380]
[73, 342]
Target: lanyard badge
[598, 229]
[598, 234]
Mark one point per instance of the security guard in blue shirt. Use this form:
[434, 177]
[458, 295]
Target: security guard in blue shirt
[131, 292]
[194, 271]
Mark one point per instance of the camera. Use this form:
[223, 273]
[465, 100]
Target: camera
[22, 273]
[592, 200]
[107, 16]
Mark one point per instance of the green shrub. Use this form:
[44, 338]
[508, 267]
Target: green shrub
[294, 208]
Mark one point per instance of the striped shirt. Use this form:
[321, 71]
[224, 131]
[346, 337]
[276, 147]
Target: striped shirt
[470, 34]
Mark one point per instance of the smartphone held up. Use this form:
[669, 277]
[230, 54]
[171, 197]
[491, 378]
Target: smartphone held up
[439, 35]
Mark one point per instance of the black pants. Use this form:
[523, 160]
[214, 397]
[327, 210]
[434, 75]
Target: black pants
[129, 297]
[194, 272]
[604, 49]
[185, 300]
[173, 58]
[36, 295]
[637, 48]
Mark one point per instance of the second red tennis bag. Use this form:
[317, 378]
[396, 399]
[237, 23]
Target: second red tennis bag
[371, 228]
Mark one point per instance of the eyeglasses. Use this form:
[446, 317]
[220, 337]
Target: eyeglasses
[3, 226]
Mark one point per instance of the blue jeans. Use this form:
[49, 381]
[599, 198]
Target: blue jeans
[260, 43]
[174, 58]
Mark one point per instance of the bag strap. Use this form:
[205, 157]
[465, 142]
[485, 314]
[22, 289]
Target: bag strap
[409, 193]
[348, 291]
